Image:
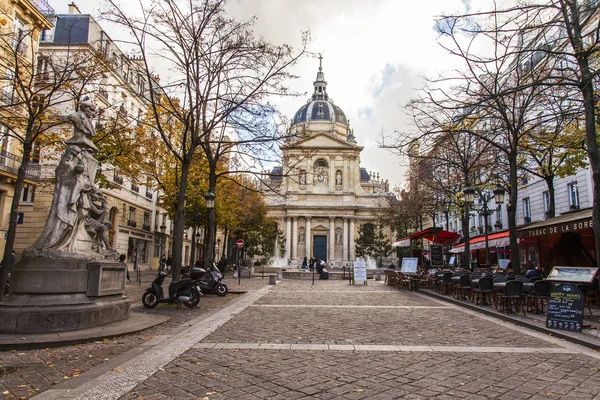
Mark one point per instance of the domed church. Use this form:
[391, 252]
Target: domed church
[323, 195]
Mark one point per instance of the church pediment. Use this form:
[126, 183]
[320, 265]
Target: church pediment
[324, 141]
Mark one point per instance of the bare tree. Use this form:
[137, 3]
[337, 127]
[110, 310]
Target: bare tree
[221, 78]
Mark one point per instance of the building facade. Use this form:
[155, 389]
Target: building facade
[21, 25]
[322, 195]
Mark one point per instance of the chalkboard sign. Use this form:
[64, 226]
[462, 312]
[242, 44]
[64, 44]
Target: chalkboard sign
[565, 308]
[437, 255]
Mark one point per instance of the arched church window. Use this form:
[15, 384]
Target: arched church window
[321, 163]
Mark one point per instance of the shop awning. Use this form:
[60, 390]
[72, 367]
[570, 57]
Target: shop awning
[434, 234]
[498, 239]
[569, 222]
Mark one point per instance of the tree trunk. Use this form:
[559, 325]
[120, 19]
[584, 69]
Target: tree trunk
[14, 215]
[179, 223]
[552, 206]
[512, 214]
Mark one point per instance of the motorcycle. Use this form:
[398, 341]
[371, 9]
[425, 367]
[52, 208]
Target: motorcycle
[212, 280]
[185, 291]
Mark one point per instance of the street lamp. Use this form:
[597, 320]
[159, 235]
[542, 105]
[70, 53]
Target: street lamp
[210, 210]
[485, 196]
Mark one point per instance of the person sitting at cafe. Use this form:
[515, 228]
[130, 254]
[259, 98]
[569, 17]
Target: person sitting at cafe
[534, 272]
[509, 269]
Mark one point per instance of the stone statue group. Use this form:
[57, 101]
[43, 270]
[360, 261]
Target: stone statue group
[76, 220]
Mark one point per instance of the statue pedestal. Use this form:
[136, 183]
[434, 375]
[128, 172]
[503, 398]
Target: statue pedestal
[63, 294]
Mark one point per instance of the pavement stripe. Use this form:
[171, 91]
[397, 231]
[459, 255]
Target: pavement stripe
[383, 347]
[127, 376]
[340, 306]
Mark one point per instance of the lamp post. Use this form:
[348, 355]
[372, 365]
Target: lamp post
[485, 196]
[210, 210]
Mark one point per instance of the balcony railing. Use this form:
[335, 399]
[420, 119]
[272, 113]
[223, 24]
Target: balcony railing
[10, 163]
[43, 6]
[131, 223]
[146, 227]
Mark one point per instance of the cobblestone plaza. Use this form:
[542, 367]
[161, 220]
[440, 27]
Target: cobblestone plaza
[331, 340]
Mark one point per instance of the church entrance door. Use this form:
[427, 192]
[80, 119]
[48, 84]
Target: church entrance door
[320, 247]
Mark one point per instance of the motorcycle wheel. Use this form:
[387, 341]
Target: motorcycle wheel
[221, 289]
[194, 299]
[149, 299]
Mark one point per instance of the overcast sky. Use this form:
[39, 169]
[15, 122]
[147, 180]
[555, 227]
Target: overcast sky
[374, 55]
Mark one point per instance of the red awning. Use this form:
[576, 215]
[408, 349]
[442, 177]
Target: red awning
[498, 239]
[436, 235]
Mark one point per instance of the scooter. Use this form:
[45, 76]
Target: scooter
[185, 291]
[212, 280]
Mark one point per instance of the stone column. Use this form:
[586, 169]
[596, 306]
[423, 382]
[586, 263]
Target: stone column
[294, 238]
[288, 238]
[331, 239]
[307, 238]
[352, 255]
[345, 240]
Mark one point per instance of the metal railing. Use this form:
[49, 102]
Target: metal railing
[43, 6]
[11, 162]
[131, 223]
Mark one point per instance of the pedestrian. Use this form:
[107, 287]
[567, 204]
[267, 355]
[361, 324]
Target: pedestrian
[304, 263]
[311, 264]
[122, 261]
[169, 263]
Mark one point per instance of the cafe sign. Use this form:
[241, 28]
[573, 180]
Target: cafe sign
[564, 227]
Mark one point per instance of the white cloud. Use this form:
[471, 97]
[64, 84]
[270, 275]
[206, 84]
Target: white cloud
[374, 55]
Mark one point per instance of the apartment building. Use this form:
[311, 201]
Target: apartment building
[21, 25]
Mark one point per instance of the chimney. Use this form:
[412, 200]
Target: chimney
[73, 9]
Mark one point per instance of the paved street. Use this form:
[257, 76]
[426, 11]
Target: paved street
[332, 340]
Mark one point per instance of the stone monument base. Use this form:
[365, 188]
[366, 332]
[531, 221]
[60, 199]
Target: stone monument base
[63, 294]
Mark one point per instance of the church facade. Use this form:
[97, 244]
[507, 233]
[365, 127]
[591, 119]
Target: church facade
[322, 195]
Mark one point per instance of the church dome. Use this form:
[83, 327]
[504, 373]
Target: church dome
[320, 106]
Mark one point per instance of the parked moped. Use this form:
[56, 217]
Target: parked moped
[185, 291]
[212, 280]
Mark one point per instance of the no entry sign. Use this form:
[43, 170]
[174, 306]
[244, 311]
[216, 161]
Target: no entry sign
[239, 244]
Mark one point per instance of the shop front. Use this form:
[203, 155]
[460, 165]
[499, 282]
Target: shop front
[566, 240]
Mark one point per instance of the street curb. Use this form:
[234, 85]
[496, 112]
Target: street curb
[135, 323]
[583, 341]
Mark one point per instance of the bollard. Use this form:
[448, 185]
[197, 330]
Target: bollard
[272, 279]
[377, 275]
[279, 275]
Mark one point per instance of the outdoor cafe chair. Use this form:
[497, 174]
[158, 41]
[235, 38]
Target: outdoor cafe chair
[447, 283]
[497, 292]
[539, 293]
[483, 290]
[463, 288]
[513, 297]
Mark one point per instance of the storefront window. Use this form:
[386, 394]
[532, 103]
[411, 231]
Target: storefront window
[142, 250]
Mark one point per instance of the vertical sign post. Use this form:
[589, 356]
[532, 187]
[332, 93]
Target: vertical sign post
[240, 245]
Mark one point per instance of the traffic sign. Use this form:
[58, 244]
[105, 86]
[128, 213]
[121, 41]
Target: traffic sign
[239, 244]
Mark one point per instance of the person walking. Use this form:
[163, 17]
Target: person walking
[122, 261]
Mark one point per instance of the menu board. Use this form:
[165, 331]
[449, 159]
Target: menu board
[565, 308]
[503, 263]
[360, 271]
[409, 265]
[573, 274]
[437, 255]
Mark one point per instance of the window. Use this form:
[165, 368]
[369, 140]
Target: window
[20, 36]
[546, 198]
[573, 196]
[146, 226]
[131, 217]
[526, 210]
[135, 188]
[321, 163]
[7, 93]
[42, 68]
[28, 193]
